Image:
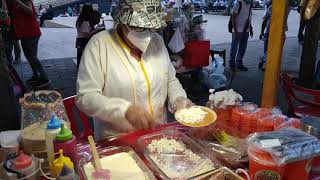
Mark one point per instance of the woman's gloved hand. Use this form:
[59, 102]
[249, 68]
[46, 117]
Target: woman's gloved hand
[139, 118]
[180, 103]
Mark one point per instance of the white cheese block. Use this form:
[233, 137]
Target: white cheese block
[121, 166]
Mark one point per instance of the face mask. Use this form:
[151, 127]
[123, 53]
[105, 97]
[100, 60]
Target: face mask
[141, 40]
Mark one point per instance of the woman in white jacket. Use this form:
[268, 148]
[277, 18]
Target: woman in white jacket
[126, 75]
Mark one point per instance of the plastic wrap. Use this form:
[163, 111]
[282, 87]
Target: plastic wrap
[223, 173]
[38, 106]
[291, 122]
[229, 150]
[174, 155]
[270, 122]
[286, 145]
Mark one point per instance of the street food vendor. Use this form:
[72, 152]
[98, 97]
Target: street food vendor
[125, 75]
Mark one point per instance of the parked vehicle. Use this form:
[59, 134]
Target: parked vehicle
[256, 4]
[217, 6]
[199, 6]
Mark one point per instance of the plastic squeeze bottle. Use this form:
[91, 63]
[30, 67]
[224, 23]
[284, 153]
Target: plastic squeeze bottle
[24, 164]
[58, 164]
[67, 174]
[53, 128]
[66, 141]
[210, 103]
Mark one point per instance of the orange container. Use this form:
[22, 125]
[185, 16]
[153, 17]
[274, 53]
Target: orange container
[262, 166]
[316, 164]
[292, 122]
[239, 114]
[252, 119]
[270, 122]
[298, 170]
[222, 114]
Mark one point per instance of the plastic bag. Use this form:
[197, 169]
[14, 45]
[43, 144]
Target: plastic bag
[212, 80]
[176, 43]
[212, 76]
[286, 145]
[291, 122]
[269, 123]
[230, 150]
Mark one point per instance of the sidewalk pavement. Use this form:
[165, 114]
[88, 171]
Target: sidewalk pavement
[62, 73]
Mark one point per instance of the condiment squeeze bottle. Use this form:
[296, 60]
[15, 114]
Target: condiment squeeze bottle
[99, 173]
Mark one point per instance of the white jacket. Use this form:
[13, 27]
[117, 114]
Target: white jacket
[110, 80]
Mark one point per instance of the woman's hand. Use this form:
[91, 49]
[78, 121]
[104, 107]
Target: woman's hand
[139, 118]
[180, 103]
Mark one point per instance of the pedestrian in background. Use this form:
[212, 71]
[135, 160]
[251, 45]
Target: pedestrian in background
[264, 34]
[302, 25]
[17, 51]
[265, 29]
[26, 28]
[241, 28]
[48, 15]
[84, 29]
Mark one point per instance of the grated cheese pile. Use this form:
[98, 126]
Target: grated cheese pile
[190, 115]
[176, 160]
[166, 146]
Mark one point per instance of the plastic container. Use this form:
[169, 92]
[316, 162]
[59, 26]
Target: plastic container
[286, 145]
[250, 123]
[230, 151]
[9, 141]
[298, 170]
[269, 123]
[176, 163]
[66, 141]
[25, 165]
[262, 166]
[53, 128]
[109, 151]
[289, 123]
[316, 164]
[67, 173]
[21, 164]
[239, 116]
[58, 164]
[221, 173]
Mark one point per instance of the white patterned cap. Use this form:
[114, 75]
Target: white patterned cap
[139, 13]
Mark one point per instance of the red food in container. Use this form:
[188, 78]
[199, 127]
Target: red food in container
[292, 122]
[250, 124]
[239, 114]
[270, 122]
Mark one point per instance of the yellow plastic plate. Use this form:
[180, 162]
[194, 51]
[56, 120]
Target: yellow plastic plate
[210, 118]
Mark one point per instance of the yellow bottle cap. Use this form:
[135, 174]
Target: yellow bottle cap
[58, 163]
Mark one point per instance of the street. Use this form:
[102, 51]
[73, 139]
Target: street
[60, 42]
